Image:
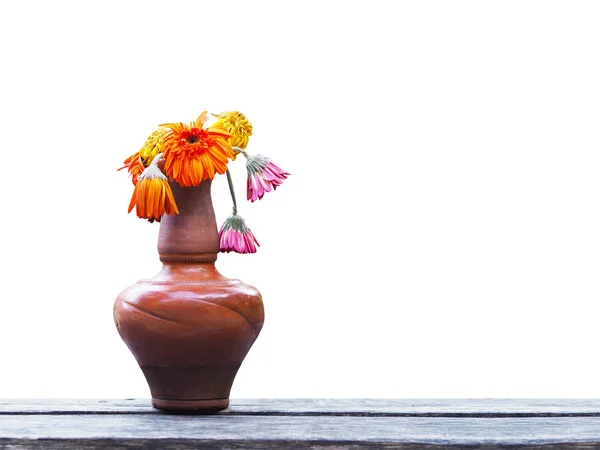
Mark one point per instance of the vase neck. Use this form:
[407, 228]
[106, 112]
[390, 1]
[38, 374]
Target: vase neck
[190, 236]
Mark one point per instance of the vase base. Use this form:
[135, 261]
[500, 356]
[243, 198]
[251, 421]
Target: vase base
[199, 406]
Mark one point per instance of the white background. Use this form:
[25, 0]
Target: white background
[438, 236]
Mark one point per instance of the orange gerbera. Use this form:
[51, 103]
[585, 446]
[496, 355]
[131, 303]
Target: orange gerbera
[193, 153]
[152, 195]
[135, 166]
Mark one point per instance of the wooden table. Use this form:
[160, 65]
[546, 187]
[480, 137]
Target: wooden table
[304, 424]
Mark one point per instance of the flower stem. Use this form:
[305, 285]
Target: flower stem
[239, 150]
[230, 181]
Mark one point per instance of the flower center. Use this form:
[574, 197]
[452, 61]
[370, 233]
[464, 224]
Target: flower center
[192, 136]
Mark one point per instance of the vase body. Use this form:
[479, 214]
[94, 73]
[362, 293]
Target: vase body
[189, 327]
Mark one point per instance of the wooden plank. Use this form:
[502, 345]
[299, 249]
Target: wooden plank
[27, 431]
[174, 444]
[357, 407]
[76, 406]
[408, 424]
[420, 407]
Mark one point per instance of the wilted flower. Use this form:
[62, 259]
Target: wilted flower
[193, 153]
[135, 166]
[235, 236]
[153, 146]
[263, 176]
[188, 154]
[152, 195]
[141, 159]
[237, 125]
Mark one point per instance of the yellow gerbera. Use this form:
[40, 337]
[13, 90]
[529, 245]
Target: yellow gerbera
[141, 159]
[153, 146]
[237, 125]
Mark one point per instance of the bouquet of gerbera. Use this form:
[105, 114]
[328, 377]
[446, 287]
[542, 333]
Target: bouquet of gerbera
[189, 154]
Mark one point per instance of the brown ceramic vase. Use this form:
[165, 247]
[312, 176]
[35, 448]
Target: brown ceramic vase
[189, 327]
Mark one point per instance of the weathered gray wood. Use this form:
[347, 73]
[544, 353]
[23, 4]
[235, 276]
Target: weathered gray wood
[360, 407]
[305, 423]
[467, 431]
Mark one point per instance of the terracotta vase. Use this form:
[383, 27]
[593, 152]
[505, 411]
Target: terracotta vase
[189, 327]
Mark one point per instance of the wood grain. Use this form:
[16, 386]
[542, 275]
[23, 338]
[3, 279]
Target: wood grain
[305, 423]
[358, 407]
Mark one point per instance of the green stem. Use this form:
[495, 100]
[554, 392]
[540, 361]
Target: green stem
[230, 181]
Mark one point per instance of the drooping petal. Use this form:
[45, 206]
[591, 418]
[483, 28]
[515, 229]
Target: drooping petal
[263, 176]
[134, 165]
[235, 236]
[152, 195]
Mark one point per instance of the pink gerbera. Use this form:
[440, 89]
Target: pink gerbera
[235, 236]
[263, 176]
